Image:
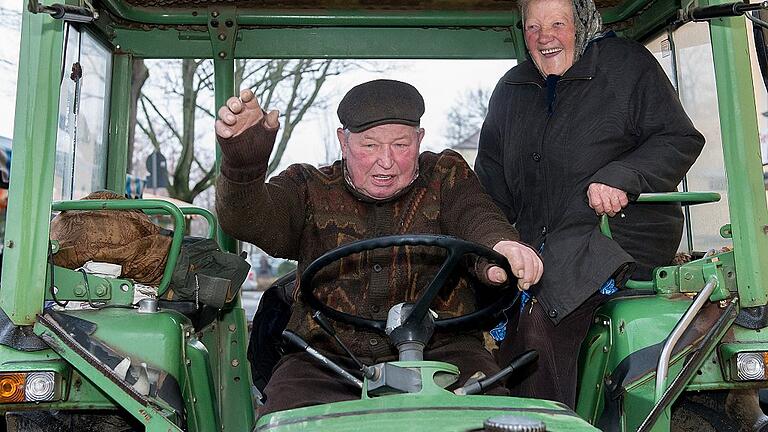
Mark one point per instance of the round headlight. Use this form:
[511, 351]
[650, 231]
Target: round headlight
[750, 366]
[40, 386]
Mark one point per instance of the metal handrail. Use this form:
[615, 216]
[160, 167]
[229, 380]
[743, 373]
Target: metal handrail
[662, 367]
[684, 198]
[139, 204]
[188, 211]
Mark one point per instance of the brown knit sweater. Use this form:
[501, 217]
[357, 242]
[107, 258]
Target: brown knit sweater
[304, 212]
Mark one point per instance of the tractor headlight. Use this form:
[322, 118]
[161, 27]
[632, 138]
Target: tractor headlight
[40, 386]
[19, 387]
[750, 366]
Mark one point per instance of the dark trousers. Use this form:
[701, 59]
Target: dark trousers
[299, 380]
[554, 376]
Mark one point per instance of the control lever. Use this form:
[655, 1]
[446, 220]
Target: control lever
[319, 318]
[520, 361]
[301, 344]
[724, 10]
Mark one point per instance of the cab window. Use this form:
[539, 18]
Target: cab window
[81, 142]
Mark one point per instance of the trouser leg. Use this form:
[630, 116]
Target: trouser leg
[554, 376]
[299, 380]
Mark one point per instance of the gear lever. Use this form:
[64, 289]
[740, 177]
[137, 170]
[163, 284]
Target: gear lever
[319, 318]
[301, 344]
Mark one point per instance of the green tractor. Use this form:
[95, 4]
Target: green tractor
[684, 351]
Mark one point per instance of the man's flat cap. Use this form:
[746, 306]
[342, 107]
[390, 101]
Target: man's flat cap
[380, 102]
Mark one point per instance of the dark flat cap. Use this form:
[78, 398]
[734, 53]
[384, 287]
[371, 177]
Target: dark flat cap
[380, 102]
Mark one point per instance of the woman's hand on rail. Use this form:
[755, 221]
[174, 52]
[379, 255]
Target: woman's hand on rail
[604, 199]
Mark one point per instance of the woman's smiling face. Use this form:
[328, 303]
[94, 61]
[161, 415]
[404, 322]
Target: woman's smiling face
[550, 35]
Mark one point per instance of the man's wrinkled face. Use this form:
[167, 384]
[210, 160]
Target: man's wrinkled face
[382, 160]
[550, 35]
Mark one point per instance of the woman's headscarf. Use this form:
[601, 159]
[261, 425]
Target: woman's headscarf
[589, 25]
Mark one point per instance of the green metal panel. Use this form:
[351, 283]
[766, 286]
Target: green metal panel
[653, 19]
[152, 338]
[34, 138]
[152, 415]
[329, 42]
[119, 118]
[226, 340]
[408, 412]
[746, 191]
[200, 389]
[622, 327]
[328, 17]
[224, 87]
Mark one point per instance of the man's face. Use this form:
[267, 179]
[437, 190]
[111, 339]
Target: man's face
[383, 159]
[550, 35]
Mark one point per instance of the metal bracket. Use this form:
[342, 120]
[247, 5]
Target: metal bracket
[222, 28]
[70, 285]
[690, 277]
[713, 270]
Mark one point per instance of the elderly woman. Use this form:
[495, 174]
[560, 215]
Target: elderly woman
[579, 130]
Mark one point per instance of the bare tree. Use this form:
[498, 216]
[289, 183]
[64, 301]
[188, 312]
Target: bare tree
[466, 116]
[293, 86]
[139, 76]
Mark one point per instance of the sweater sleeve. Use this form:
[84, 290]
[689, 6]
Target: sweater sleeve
[270, 214]
[467, 212]
[668, 142]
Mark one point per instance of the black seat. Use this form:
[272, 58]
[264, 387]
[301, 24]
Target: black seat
[269, 321]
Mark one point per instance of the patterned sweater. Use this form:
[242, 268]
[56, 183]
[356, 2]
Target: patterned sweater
[304, 212]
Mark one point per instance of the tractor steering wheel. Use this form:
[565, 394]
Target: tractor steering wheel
[456, 249]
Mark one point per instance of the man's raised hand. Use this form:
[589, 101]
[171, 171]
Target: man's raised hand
[240, 113]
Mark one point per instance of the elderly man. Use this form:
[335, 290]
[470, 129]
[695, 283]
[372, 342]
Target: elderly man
[382, 186]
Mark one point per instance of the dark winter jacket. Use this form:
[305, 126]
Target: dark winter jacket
[612, 118]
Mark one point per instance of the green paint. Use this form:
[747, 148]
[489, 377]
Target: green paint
[119, 118]
[71, 285]
[34, 137]
[333, 42]
[746, 191]
[418, 413]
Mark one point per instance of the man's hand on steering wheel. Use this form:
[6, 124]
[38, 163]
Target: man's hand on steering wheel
[525, 263]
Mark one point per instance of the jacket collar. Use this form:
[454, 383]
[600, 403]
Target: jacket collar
[527, 73]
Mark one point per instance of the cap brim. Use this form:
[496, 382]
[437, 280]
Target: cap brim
[361, 128]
